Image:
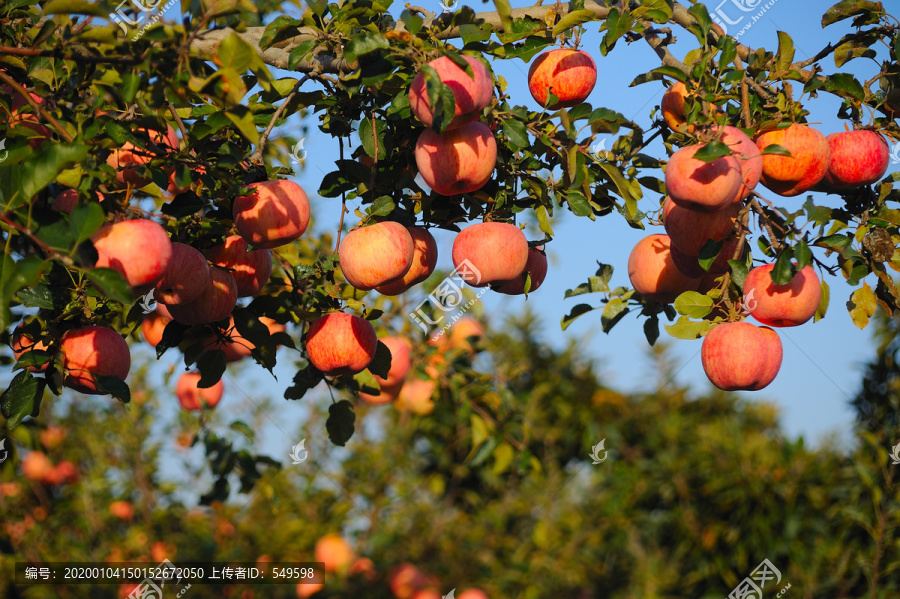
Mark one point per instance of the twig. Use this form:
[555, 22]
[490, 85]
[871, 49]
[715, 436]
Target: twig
[44, 247]
[745, 94]
[38, 108]
[256, 156]
[178, 120]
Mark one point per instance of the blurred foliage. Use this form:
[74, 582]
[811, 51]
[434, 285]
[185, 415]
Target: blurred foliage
[696, 490]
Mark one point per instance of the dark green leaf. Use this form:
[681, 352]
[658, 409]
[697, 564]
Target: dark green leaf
[340, 423]
[304, 380]
[615, 310]
[516, 133]
[712, 151]
[784, 268]
[211, 366]
[111, 283]
[382, 206]
[301, 53]
[114, 386]
[281, 28]
[775, 149]
[22, 398]
[577, 311]
[651, 329]
[739, 272]
[364, 44]
[850, 8]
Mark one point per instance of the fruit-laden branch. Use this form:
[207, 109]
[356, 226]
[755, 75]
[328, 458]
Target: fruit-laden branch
[278, 55]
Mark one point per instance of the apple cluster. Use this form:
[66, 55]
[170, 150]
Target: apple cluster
[704, 199]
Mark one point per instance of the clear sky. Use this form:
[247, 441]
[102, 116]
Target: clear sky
[821, 368]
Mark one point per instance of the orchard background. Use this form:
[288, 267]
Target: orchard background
[488, 483]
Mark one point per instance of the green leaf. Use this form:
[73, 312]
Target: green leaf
[785, 55]
[862, 305]
[365, 44]
[414, 23]
[22, 398]
[473, 33]
[712, 151]
[71, 7]
[131, 82]
[516, 133]
[685, 328]
[824, 299]
[651, 329]
[39, 170]
[775, 149]
[111, 283]
[381, 363]
[784, 268]
[615, 310]
[504, 11]
[544, 220]
[281, 28]
[242, 118]
[243, 428]
[844, 84]
[340, 423]
[304, 380]
[693, 304]
[578, 204]
[211, 366]
[114, 386]
[440, 99]
[85, 220]
[369, 138]
[617, 25]
[702, 15]
[573, 19]
[739, 272]
[803, 254]
[300, 53]
[382, 206]
[850, 8]
[577, 311]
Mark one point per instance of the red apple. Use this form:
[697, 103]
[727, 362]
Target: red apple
[702, 185]
[782, 305]
[23, 343]
[463, 330]
[569, 74]
[690, 229]
[122, 510]
[36, 466]
[190, 395]
[653, 273]
[185, 278]
[747, 154]
[335, 553]
[339, 343]
[473, 594]
[128, 157]
[458, 161]
[90, 351]
[415, 396]
[65, 201]
[376, 255]
[427, 594]
[857, 158]
[251, 270]
[470, 93]
[52, 436]
[425, 255]
[806, 166]
[536, 267]
[405, 580]
[154, 324]
[308, 589]
[672, 106]
[214, 303]
[741, 356]
[274, 214]
[488, 253]
[690, 265]
[64, 472]
[401, 363]
[139, 249]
